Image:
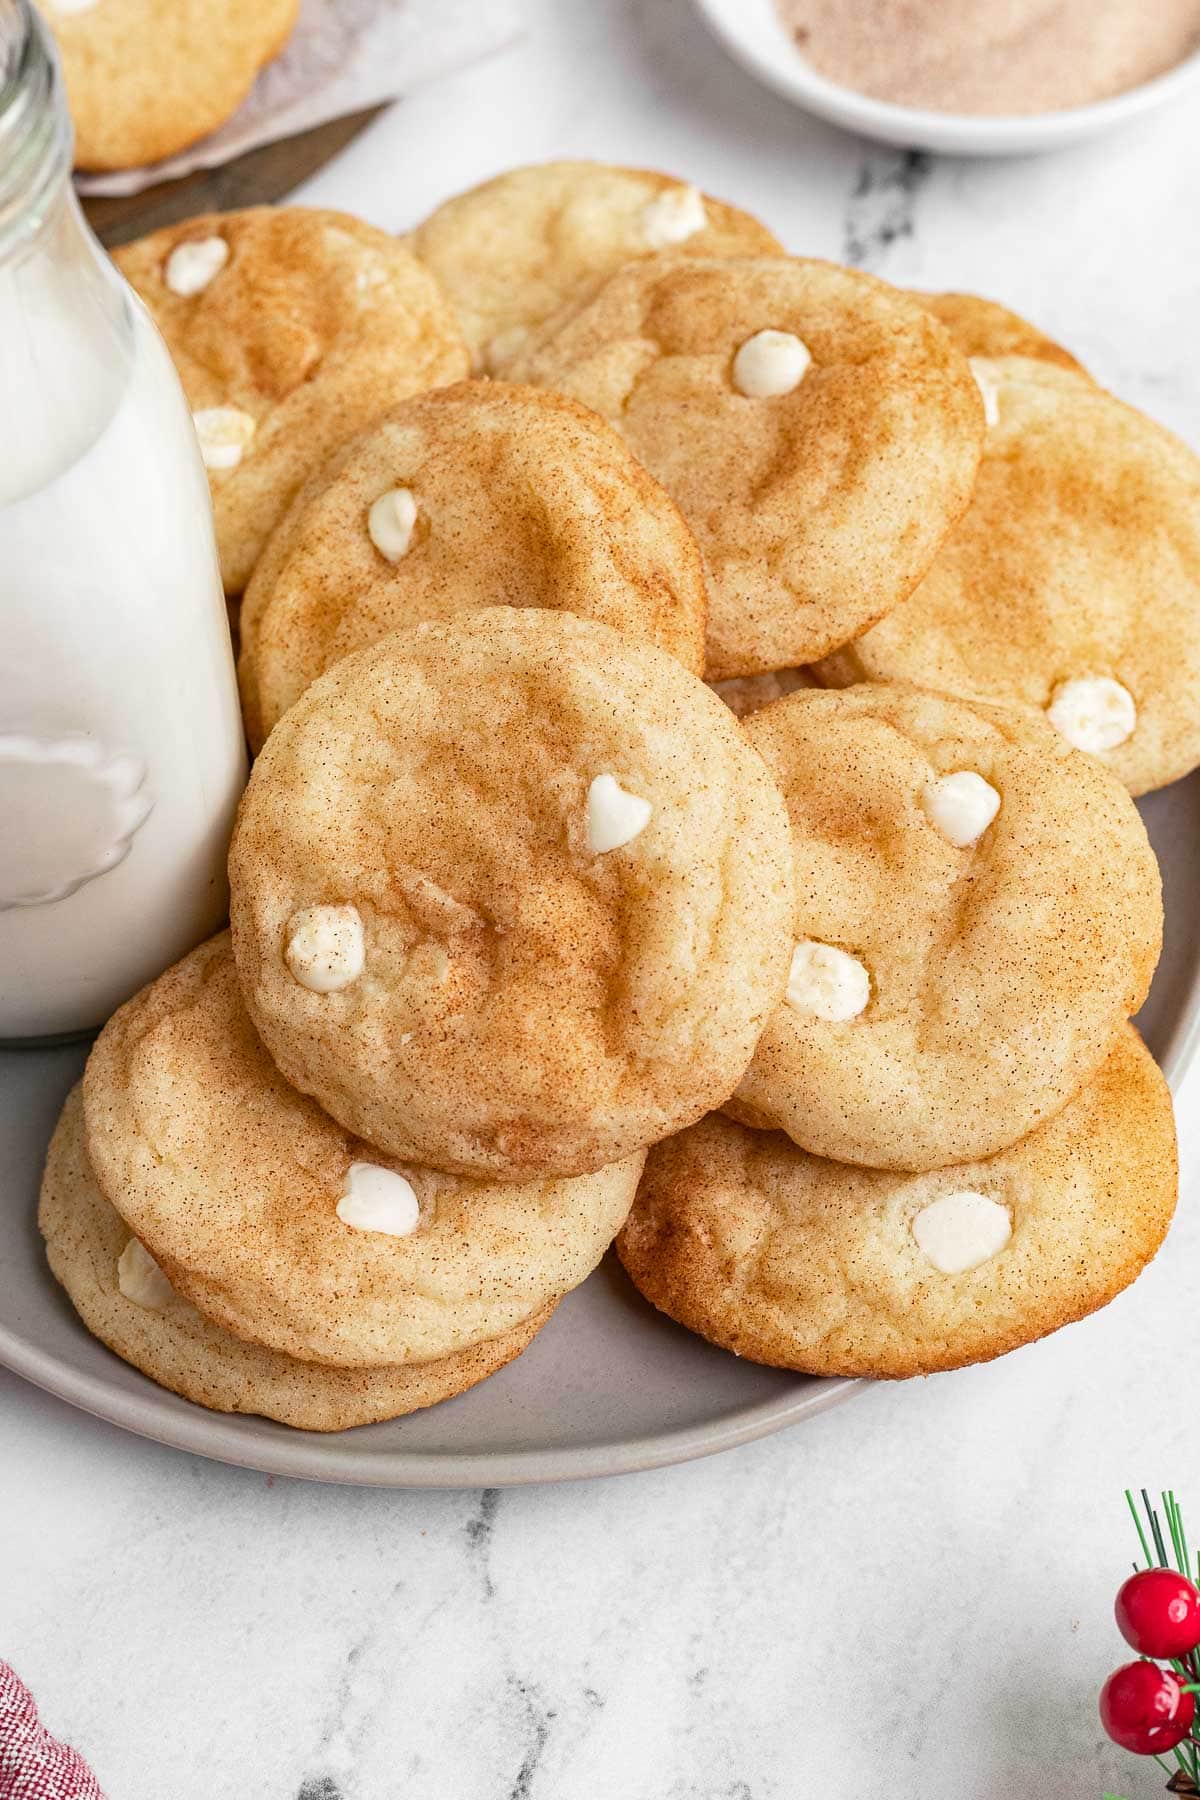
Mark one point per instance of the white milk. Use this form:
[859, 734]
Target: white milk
[121, 748]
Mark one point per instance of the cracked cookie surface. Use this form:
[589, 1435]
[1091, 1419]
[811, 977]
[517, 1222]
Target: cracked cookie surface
[986, 911]
[303, 328]
[806, 1264]
[233, 1182]
[513, 252]
[179, 1348]
[1077, 562]
[570, 881]
[518, 497]
[818, 430]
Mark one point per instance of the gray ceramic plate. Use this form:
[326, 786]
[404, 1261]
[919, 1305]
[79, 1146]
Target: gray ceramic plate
[609, 1386]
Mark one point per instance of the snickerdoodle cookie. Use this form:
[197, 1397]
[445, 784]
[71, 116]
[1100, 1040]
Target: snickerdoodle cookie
[1072, 582]
[985, 328]
[290, 1233]
[512, 252]
[977, 911]
[475, 495]
[293, 329]
[819, 431]
[146, 78]
[126, 1301]
[787, 1259]
[511, 894]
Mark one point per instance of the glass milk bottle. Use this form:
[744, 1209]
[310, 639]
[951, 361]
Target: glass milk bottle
[121, 747]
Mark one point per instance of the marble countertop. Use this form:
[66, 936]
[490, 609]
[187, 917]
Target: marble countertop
[909, 1596]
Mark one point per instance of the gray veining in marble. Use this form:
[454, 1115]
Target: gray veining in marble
[908, 1597]
[882, 208]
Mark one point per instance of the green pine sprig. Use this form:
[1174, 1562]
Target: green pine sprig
[1187, 1754]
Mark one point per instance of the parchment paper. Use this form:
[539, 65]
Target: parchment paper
[344, 56]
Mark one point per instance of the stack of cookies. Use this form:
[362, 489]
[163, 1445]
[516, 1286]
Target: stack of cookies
[510, 902]
[810, 986]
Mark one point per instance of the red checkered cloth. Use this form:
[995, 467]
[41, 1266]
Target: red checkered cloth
[33, 1765]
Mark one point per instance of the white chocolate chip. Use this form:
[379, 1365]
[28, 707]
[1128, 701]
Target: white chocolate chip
[325, 950]
[960, 1231]
[224, 432]
[192, 265]
[375, 1199]
[390, 523]
[962, 806]
[988, 389]
[72, 6]
[614, 817]
[827, 983]
[676, 215]
[1093, 712]
[769, 364]
[140, 1279]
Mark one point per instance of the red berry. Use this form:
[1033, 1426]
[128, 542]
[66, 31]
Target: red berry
[1158, 1612]
[1144, 1708]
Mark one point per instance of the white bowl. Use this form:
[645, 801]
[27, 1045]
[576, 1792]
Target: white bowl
[752, 32]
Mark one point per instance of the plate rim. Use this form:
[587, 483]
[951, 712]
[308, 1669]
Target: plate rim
[314, 1456]
[151, 1412]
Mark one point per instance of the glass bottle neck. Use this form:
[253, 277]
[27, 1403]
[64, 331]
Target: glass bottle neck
[65, 314]
[35, 127]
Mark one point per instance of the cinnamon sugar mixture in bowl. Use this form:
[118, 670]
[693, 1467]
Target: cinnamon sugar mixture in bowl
[992, 56]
